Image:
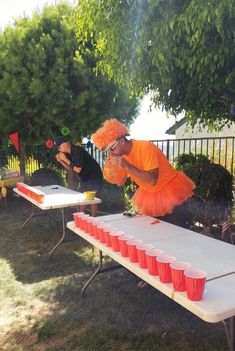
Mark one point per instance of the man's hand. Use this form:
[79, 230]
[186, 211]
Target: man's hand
[149, 177]
[118, 160]
[61, 157]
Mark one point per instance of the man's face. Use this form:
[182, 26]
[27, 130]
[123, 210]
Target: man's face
[117, 148]
[65, 148]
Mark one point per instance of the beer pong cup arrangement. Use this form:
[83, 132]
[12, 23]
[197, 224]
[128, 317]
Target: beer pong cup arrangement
[114, 238]
[177, 274]
[195, 280]
[151, 260]
[30, 191]
[164, 270]
[123, 244]
[141, 253]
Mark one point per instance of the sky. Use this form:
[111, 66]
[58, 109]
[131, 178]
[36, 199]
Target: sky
[150, 124]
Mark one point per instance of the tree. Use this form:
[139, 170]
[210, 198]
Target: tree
[47, 83]
[181, 49]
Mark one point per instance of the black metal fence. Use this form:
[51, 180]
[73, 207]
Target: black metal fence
[220, 150]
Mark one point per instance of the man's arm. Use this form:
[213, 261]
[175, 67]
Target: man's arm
[149, 177]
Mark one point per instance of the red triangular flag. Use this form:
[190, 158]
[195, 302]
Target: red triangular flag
[14, 138]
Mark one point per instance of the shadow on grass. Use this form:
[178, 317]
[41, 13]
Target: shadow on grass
[27, 249]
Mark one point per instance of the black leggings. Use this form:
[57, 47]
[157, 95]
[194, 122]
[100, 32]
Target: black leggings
[180, 216]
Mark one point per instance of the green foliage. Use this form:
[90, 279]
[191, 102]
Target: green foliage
[182, 50]
[46, 176]
[46, 83]
[130, 188]
[213, 194]
[112, 198]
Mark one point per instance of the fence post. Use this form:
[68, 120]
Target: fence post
[168, 149]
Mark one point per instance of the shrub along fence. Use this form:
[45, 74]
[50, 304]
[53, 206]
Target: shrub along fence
[220, 150]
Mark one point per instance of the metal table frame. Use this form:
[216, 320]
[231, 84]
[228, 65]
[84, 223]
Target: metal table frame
[229, 323]
[60, 205]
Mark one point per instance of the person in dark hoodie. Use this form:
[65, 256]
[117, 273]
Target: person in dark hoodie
[77, 159]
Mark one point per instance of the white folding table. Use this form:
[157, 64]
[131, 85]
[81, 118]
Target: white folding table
[217, 258]
[57, 197]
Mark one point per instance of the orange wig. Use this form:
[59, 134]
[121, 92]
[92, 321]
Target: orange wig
[108, 133]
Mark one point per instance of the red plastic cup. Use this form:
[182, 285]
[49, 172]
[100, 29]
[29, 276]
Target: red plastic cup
[85, 218]
[195, 280]
[41, 198]
[83, 222]
[177, 274]
[164, 269]
[98, 230]
[141, 253]
[90, 225]
[19, 186]
[123, 244]
[79, 220]
[94, 224]
[132, 250]
[76, 218]
[114, 238]
[107, 231]
[151, 260]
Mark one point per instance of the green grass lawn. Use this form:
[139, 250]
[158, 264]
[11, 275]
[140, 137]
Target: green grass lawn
[41, 308]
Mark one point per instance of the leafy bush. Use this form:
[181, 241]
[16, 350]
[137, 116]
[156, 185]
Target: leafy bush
[46, 176]
[112, 198]
[213, 194]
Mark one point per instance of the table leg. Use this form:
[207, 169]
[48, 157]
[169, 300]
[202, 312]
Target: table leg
[94, 210]
[63, 233]
[98, 270]
[230, 332]
[94, 274]
[34, 214]
[30, 216]
[94, 207]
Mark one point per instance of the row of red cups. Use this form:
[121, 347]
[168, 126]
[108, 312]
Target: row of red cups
[179, 273]
[35, 194]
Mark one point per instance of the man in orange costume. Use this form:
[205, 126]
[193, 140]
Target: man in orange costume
[163, 191]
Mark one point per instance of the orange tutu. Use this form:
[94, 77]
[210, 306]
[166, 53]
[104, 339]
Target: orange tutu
[163, 202]
[114, 174]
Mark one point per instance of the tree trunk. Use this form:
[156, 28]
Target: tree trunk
[22, 159]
